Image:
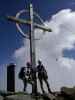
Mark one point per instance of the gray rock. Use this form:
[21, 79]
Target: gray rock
[50, 96]
[1, 98]
[21, 97]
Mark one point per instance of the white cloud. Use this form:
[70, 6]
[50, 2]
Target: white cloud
[49, 49]
[66, 62]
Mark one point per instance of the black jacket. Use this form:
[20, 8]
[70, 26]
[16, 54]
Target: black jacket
[42, 73]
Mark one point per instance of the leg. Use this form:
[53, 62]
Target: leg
[46, 81]
[34, 83]
[25, 84]
[41, 84]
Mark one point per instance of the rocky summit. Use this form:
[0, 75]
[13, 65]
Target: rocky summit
[21, 97]
[64, 94]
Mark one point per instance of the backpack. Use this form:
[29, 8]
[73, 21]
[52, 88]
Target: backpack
[21, 74]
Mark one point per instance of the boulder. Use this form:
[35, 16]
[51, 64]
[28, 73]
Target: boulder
[68, 93]
[49, 96]
[1, 98]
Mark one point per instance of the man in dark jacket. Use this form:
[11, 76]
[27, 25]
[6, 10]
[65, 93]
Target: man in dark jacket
[25, 75]
[42, 76]
[22, 76]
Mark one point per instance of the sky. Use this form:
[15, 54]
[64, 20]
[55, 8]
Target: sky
[56, 49]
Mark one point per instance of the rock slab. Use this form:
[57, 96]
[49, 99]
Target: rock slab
[21, 97]
[1, 98]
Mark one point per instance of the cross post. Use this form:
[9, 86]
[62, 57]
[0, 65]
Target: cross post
[32, 51]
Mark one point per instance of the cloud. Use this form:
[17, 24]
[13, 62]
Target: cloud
[50, 48]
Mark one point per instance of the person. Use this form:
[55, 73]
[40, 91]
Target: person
[25, 75]
[29, 73]
[22, 76]
[42, 76]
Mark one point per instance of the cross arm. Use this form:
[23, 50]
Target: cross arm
[45, 28]
[22, 21]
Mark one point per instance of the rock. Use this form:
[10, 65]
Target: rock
[68, 93]
[49, 96]
[5, 93]
[52, 97]
[1, 98]
[21, 97]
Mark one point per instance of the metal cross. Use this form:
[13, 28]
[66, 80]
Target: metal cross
[32, 40]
